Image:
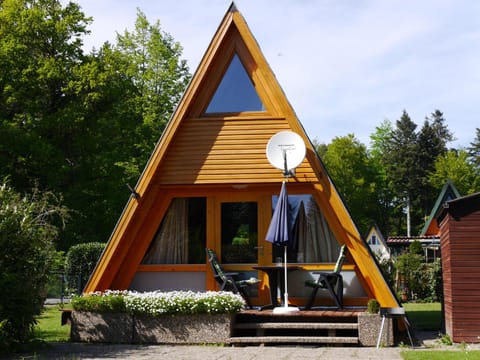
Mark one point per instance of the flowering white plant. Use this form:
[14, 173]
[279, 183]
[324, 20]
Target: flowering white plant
[159, 303]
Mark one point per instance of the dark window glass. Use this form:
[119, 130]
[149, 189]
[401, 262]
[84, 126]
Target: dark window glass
[239, 232]
[236, 92]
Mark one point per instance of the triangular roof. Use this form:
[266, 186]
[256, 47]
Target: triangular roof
[449, 192]
[221, 152]
[375, 230]
[460, 207]
[382, 246]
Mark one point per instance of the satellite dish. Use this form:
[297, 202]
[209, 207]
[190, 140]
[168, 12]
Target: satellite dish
[285, 151]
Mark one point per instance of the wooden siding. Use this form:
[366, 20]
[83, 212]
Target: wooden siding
[460, 240]
[212, 151]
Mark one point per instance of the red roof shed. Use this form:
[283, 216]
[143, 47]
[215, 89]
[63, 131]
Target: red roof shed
[460, 237]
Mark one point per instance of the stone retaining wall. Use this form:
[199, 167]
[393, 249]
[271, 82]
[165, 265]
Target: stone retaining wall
[167, 329]
[369, 329]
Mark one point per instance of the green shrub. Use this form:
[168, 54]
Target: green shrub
[373, 306]
[80, 261]
[28, 226]
[100, 302]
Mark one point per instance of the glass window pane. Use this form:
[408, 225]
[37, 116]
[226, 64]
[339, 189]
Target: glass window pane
[239, 233]
[313, 241]
[181, 237]
[236, 92]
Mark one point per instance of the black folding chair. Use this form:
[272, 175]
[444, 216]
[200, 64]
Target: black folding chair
[229, 281]
[331, 281]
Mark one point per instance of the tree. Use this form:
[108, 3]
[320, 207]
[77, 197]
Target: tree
[29, 225]
[82, 125]
[40, 44]
[40, 50]
[407, 157]
[400, 163]
[128, 90]
[474, 151]
[379, 147]
[432, 143]
[151, 59]
[348, 164]
[455, 166]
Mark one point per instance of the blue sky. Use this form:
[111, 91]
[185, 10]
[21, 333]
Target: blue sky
[344, 65]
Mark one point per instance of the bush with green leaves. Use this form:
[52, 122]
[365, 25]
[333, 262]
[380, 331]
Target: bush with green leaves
[423, 280]
[373, 306]
[29, 224]
[101, 302]
[80, 262]
[157, 303]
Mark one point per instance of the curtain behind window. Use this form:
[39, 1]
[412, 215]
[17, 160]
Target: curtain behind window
[315, 241]
[170, 245]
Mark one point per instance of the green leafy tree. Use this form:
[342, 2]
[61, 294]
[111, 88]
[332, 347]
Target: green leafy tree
[455, 165]
[409, 272]
[151, 59]
[379, 147]
[474, 150]
[407, 157]
[128, 90]
[348, 164]
[29, 225]
[415, 248]
[40, 50]
[82, 125]
[400, 163]
[432, 143]
[40, 44]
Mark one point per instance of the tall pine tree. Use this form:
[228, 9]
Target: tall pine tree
[474, 151]
[432, 143]
[400, 162]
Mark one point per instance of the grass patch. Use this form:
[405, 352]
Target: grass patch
[49, 326]
[424, 316]
[440, 355]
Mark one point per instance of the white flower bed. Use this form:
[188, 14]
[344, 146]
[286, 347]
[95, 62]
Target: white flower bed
[160, 303]
[183, 302]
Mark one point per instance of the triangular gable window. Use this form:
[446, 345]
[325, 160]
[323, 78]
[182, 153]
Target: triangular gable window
[236, 92]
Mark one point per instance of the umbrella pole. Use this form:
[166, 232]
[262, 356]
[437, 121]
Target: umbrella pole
[285, 295]
[285, 308]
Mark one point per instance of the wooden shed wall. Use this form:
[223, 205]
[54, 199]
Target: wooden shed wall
[460, 240]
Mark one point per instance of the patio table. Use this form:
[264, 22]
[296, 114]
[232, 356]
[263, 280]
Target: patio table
[275, 281]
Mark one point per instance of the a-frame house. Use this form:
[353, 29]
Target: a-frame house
[377, 243]
[209, 184]
[448, 192]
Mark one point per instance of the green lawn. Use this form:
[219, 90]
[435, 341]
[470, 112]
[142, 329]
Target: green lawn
[49, 326]
[424, 316]
[428, 316]
[440, 355]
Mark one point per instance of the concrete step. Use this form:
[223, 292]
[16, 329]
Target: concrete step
[293, 340]
[297, 325]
